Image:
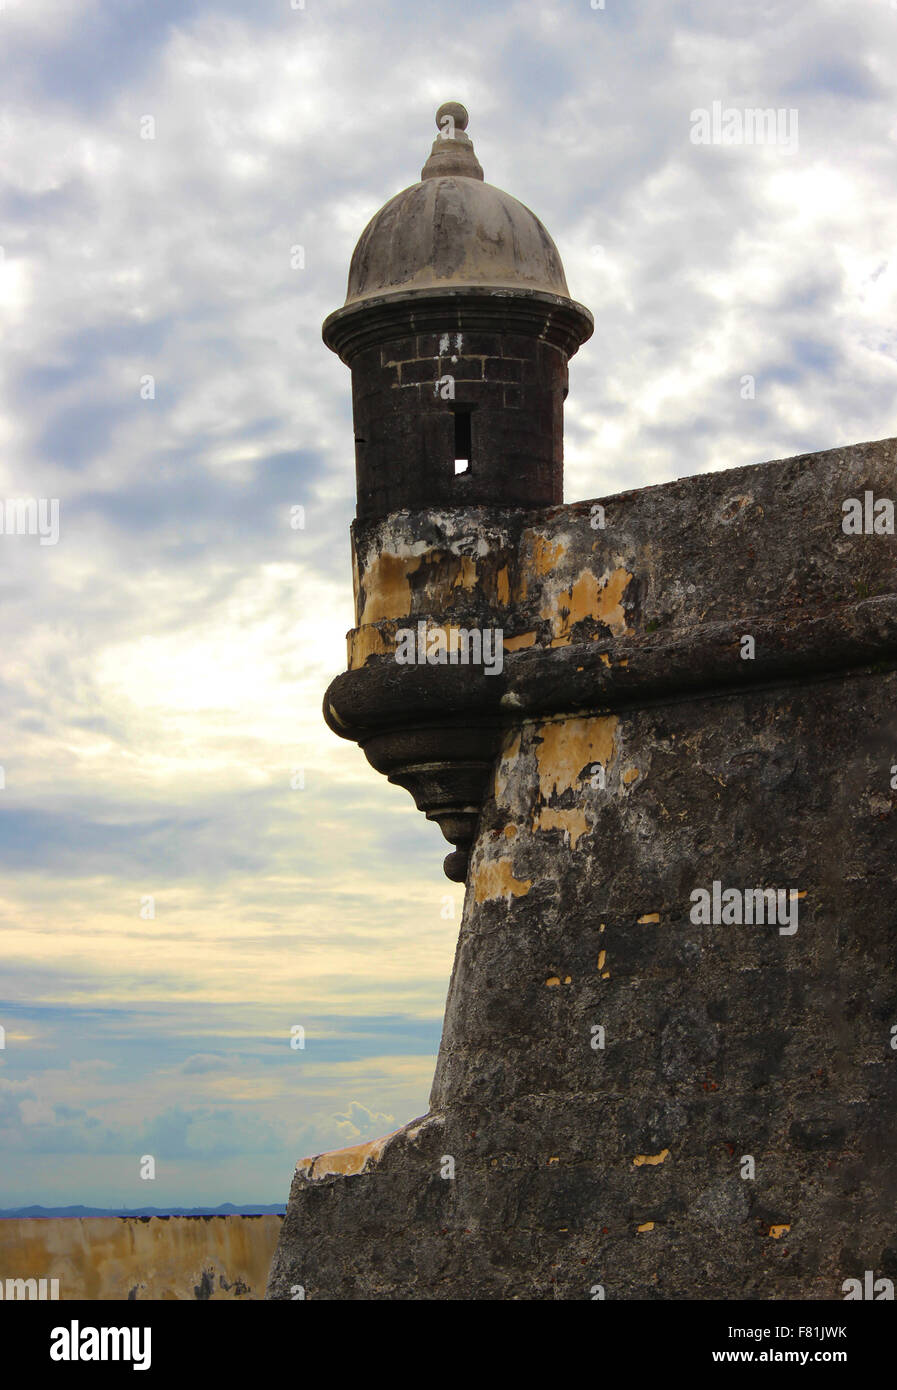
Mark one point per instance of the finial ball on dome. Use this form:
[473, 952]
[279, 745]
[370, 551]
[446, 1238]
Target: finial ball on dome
[455, 111]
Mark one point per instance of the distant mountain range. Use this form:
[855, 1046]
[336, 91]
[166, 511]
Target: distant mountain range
[226, 1209]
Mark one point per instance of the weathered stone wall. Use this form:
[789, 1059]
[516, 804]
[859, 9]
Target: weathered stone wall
[609, 1064]
[111, 1258]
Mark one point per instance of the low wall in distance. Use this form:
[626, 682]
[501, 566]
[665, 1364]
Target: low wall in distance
[112, 1258]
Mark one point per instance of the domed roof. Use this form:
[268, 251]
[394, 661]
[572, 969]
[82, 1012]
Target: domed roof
[453, 230]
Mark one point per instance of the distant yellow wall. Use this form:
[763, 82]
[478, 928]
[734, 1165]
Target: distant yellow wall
[109, 1258]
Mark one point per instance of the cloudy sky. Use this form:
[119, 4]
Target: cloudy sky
[162, 375]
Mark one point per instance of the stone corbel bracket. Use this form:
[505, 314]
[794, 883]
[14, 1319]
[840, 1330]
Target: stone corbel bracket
[448, 570]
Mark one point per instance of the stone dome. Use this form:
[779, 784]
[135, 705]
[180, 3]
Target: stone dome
[453, 231]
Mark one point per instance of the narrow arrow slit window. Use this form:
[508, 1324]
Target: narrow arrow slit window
[462, 440]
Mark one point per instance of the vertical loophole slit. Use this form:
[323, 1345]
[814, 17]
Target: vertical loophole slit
[462, 441]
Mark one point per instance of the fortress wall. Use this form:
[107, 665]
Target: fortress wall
[628, 1097]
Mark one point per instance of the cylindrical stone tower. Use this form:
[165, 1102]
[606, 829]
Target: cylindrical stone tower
[457, 326]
